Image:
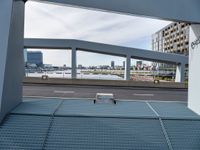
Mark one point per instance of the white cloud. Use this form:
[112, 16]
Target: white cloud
[54, 21]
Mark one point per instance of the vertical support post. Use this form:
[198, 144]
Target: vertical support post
[11, 57]
[127, 68]
[194, 72]
[74, 70]
[180, 73]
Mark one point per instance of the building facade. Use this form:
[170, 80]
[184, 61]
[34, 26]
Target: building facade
[124, 64]
[112, 64]
[173, 38]
[35, 57]
[25, 56]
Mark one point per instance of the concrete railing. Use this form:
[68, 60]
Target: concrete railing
[92, 82]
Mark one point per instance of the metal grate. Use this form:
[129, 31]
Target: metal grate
[79, 124]
[121, 109]
[37, 107]
[173, 110]
[20, 132]
[80, 133]
[183, 134]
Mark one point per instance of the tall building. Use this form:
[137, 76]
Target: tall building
[25, 55]
[124, 64]
[112, 64]
[139, 63]
[80, 66]
[35, 57]
[173, 38]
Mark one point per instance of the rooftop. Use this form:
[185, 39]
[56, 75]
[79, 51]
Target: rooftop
[80, 124]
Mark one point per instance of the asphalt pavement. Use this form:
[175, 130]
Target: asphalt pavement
[124, 93]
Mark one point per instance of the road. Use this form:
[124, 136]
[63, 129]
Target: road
[130, 93]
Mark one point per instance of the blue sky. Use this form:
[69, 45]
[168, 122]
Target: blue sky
[55, 21]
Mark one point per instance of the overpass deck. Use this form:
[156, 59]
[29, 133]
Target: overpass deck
[80, 124]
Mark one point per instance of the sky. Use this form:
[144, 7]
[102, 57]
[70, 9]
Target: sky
[62, 22]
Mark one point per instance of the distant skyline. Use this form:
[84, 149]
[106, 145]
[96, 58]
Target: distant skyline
[55, 21]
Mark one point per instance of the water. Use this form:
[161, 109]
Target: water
[67, 74]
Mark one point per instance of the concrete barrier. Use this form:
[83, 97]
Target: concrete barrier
[92, 82]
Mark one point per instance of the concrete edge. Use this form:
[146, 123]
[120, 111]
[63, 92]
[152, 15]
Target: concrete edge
[92, 82]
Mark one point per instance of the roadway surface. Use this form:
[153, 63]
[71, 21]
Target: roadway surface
[126, 93]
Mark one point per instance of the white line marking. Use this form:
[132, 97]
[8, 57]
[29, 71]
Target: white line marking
[160, 101]
[143, 94]
[162, 125]
[156, 113]
[45, 97]
[64, 92]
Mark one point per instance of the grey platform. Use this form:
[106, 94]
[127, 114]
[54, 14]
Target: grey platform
[54, 124]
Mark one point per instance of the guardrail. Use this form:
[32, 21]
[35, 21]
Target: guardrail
[93, 82]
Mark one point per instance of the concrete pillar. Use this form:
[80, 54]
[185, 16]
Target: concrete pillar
[180, 73]
[194, 71]
[74, 70]
[11, 54]
[127, 68]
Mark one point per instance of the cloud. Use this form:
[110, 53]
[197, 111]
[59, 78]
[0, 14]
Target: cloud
[55, 21]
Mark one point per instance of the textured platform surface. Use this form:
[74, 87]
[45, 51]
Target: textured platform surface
[88, 108]
[173, 110]
[55, 124]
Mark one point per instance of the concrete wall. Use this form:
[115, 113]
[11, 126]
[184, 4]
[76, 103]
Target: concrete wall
[11, 54]
[174, 10]
[194, 72]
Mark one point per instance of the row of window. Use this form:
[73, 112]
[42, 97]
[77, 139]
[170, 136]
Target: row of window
[176, 26]
[184, 51]
[176, 42]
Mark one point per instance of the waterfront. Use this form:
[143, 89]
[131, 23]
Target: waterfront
[104, 74]
[80, 75]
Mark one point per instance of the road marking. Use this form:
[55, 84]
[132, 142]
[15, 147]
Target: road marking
[160, 101]
[135, 94]
[64, 98]
[64, 92]
[156, 113]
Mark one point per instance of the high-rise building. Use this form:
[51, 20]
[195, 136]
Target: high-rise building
[35, 57]
[173, 38]
[25, 56]
[112, 64]
[80, 66]
[124, 64]
[139, 63]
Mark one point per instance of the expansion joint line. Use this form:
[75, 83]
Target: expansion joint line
[162, 126]
[50, 125]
